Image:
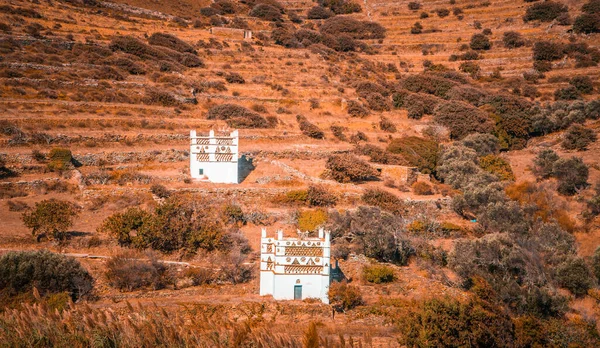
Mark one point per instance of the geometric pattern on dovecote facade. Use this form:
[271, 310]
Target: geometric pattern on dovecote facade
[295, 268]
[214, 157]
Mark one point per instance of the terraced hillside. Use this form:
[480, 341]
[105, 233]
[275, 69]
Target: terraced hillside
[97, 100]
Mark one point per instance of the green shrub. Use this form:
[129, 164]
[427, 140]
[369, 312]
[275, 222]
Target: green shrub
[567, 93]
[547, 51]
[575, 276]
[546, 11]
[450, 323]
[572, 175]
[428, 83]
[344, 296]
[378, 274]
[483, 144]
[50, 218]
[512, 270]
[414, 6]
[498, 166]
[418, 152]
[49, 273]
[578, 137]
[374, 233]
[179, 223]
[384, 200]
[543, 163]
[442, 12]
[471, 68]
[417, 28]
[347, 168]
[233, 214]
[160, 97]
[124, 226]
[480, 42]
[59, 159]
[583, 84]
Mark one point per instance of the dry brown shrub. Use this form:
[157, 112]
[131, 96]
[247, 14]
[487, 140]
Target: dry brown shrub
[422, 188]
[348, 168]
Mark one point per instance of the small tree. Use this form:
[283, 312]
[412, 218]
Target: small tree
[50, 218]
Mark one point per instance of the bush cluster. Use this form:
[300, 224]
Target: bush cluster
[266, 12]
[356, 29]
[447, 322]
[428, 83]
[578, 137]
[462, 119]
[546, 11]
[49, 273]
[237, 116]
[166, 57]
[572, 174]
[372, 232]
[356, 109]
[179, 223]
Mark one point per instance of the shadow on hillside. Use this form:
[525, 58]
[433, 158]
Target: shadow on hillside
[245, 167]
